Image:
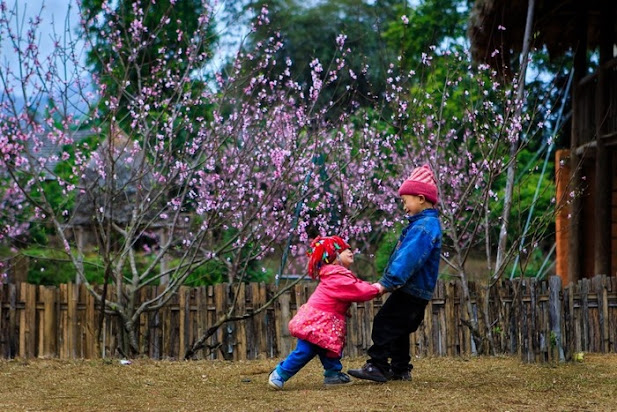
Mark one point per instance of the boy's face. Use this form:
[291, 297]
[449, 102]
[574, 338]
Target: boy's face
[414, 204]
[346, 258]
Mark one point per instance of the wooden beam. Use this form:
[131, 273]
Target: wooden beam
[580, 68]
[603, 168]
[563, 185]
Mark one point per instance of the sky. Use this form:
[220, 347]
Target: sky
[60, 18]
[53, 15]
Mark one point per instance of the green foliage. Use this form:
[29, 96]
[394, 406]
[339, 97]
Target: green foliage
[168, 34]
[530, 173]
[386, 247]
[210, 273]
[309, 31]
[530, 262]
[429, 24]
[52, 267]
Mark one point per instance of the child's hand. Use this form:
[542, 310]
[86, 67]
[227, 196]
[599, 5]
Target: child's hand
[382, 289]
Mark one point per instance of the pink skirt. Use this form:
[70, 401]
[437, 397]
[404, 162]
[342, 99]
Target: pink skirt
[324, 329]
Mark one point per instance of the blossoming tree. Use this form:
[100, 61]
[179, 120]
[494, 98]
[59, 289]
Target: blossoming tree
[226, 174]
[235, 170]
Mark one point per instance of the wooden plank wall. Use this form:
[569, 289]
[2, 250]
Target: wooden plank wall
[614, 214]
[538, 321]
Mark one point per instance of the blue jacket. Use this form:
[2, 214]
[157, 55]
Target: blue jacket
[414, 265]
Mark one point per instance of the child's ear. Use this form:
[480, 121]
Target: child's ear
[422, 198]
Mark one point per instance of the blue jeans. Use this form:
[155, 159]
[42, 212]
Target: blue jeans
[304, 352]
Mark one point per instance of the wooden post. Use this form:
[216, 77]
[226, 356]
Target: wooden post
[450, 320]
[182, 313]
[91, 349]
[48, 295]
[465, 332]
[584, 293]
[602, 209]
[27, 318]
[201, 299]
[166, 328]
[602, 241]
[155, 334]
[570, 322]
[606, 340]
[283, 318]
[562, 221]
[219, 302]
[13, 341]
[259, 299]
[534, 324]
[72, 299]
[428, 328]
[240, 340]
[580, 68]
[602, 299]
[555, 317]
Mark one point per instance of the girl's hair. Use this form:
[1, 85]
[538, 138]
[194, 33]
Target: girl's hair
[324, 250]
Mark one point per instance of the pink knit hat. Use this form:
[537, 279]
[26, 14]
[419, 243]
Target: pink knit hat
[421, 182]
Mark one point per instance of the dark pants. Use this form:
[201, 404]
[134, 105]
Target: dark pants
[400, 315]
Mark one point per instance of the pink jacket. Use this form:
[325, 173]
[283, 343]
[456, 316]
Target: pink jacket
[321, 320]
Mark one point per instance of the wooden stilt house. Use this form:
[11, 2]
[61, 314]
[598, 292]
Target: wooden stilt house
[587, 226]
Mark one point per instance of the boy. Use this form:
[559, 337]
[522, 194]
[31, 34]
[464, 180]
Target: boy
[410, 275]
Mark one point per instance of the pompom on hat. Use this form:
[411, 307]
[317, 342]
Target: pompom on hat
[421, 182]
[324, 250]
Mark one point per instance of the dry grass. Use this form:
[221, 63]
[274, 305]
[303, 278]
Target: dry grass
[440, 384]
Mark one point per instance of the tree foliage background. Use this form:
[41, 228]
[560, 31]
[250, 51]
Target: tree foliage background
[190, 176]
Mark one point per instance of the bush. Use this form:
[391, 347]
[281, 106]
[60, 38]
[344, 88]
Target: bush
[52, 267]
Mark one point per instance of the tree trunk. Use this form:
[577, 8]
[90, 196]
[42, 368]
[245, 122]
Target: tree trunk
[505, 217]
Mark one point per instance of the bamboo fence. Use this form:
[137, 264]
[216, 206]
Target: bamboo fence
[537, 320]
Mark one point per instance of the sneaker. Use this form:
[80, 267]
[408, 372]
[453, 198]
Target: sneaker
[337, 379]
[275, 380]
[369, 372]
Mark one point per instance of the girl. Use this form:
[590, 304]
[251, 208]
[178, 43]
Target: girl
[320, 324]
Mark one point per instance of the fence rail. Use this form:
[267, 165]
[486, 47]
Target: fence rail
[539, 321]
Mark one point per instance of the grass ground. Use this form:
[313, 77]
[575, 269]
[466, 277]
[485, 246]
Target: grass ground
[439, 384]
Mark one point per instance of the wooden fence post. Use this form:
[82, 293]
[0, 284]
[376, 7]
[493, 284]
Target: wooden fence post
[27, 321]
[52, 322]
[50, 327]
[12, 335]
[284, 316]
[534, 330]
[240, 329]
[569, 322]
[555, 317]
[450, 320]
[584, 293]
[602, 296]
[183, 324]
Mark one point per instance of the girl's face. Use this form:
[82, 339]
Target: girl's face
[414, 204]
[346, 258]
